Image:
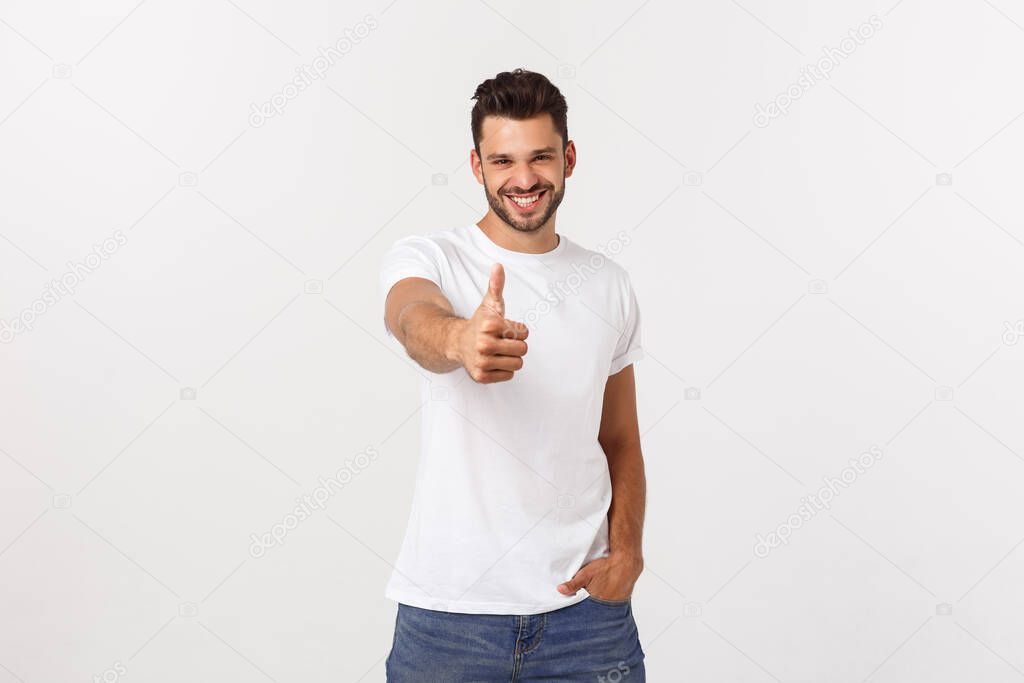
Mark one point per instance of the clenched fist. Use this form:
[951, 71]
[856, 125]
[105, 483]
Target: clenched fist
[490, 347]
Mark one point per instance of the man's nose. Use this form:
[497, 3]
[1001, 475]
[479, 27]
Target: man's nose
[523, 177]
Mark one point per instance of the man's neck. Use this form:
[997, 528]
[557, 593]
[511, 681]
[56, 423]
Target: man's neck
[539, 241]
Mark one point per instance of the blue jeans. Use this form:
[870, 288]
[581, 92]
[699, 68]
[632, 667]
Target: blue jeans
[593, 640]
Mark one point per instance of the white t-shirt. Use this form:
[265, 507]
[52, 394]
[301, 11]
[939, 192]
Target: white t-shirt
[512, 489]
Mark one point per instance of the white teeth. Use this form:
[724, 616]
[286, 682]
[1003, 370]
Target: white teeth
[525, 201]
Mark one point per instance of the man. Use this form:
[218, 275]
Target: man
[524, 540]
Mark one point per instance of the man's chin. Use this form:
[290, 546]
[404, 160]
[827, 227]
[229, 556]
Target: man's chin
[530, 226]
[520, 224]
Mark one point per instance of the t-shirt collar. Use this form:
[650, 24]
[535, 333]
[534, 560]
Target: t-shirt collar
[502, 254]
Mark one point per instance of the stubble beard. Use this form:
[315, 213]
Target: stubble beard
[521, 223]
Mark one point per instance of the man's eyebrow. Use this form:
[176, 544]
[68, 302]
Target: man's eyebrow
[502, 155]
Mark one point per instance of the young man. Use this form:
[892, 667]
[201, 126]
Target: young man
[524, 540]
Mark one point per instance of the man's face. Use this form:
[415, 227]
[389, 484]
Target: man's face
[523, 168]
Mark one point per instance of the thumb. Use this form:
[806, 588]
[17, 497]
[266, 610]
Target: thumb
[494, 299]
[577, 582]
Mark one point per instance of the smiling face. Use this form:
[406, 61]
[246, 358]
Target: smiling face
[522, 165]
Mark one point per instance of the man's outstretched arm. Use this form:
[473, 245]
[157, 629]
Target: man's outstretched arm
[490, 347]
[423, 321]
[612, 578]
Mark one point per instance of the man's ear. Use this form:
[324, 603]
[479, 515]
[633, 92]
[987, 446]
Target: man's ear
[570, 158]
[476, 165]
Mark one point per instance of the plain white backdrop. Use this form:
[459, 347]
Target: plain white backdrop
[841, 273]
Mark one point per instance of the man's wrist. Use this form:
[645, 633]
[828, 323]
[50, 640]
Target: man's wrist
[454, 327]
[632, 558]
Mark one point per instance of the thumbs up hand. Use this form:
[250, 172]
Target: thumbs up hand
[494, 298]
[488, 346]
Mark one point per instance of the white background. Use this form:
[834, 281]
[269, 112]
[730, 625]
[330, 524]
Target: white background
[811, 282]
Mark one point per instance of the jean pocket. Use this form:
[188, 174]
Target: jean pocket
[610, 603]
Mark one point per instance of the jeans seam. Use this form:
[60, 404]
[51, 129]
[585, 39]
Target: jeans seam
[540, 632]
[517, 659]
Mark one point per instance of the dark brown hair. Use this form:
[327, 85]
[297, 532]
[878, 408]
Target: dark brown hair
[518, 95]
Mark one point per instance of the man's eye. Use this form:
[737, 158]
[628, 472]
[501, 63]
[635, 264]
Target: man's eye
[544, 157]
[501, 161]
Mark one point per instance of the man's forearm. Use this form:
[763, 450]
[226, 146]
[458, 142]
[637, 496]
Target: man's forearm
[629, 494]
[428, 333]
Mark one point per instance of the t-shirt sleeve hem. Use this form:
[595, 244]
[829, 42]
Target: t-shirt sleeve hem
[620, 363]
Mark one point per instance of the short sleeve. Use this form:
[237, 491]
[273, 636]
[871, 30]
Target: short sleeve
[628, 348]
[412, 256]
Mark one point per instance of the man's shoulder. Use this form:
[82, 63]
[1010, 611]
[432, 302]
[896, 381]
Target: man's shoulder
[437, 246]
[600, 261]
[440, 237]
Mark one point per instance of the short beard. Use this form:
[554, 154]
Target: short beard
[515, 222]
